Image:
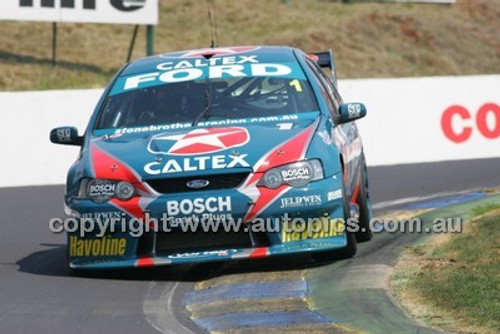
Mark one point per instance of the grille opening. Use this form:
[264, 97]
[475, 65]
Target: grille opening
[215, 182]
[259, 239]
[145, 245]
[179, 242]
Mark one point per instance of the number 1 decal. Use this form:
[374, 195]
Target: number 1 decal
[295, 83]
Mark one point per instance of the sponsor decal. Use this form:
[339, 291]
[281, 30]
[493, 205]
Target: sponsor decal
[202, 62]
[179, 221]
[333, 195]
[113, 136]
[212, 68]
[199, 206]
[322, 243]
[63, 135]
[300, 201]
[327, 138]
[197, 184]
[325, 228]
[224, 252]
[284, 126]
[100, 190]
[103, 215]
[354, 110]
[196, 164]
[294, 174]
[209, 123]
[212, 72]
[458, 124]
[105, 246]
[199, 141]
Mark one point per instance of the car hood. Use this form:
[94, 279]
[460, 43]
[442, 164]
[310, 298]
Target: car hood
[247, 146]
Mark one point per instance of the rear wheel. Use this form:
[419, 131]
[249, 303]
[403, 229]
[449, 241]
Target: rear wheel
[350, 249]
[365, 209]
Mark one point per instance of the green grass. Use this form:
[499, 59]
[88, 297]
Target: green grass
[457, 281]
[369, 39]
[481, 210]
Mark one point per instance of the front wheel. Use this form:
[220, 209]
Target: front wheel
[365, 209]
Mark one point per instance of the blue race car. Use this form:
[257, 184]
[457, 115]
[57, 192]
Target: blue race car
[218, 154]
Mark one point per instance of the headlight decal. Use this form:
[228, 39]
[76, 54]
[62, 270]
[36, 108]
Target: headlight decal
[103, 190]
[105, 166]
[293, 149]
[297, 174]
[100, 190]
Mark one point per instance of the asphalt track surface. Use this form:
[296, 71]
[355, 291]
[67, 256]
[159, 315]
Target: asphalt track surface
[39, 295]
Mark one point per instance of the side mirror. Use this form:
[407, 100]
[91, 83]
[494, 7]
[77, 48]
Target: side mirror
[351, 111]
[66, 135]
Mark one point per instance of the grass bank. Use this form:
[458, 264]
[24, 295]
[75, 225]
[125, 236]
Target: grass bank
[369, 39]
[452, 282]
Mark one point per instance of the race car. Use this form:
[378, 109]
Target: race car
[245, 137]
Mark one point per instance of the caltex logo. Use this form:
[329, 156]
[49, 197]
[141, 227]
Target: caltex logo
[199, 141]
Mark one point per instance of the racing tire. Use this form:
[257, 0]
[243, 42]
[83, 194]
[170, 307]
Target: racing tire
[343, 253]
[363, 200]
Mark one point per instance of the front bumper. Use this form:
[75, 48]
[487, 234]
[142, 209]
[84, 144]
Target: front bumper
[320, 199]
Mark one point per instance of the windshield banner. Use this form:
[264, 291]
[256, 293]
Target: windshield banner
[192, 70]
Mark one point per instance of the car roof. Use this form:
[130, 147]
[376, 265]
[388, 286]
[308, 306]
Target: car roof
[264, 53]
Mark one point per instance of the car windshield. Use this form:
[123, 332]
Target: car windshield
[221, 98]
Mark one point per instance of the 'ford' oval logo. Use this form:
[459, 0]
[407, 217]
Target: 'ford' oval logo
[197, 184]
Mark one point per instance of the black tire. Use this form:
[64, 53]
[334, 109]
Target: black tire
[343, 253]
[363, 200]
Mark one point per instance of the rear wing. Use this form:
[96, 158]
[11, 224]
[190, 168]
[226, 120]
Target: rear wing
[325, 59]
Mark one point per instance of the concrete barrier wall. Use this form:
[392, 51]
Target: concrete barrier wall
[26, 118]
[428, 119]
[409, 120]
